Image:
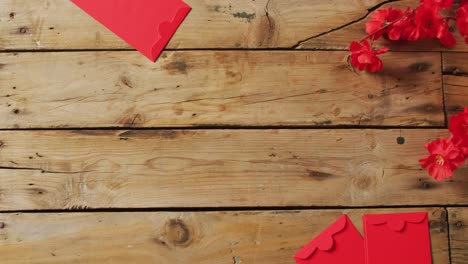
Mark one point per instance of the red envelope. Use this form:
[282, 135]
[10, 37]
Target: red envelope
[147, 25]
[339, 243]
[397, 238]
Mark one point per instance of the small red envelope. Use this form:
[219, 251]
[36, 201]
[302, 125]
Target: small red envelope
[397, 238]
[147, 25]
[340, 243]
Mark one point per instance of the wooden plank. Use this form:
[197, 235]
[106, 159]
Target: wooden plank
[342, 36]
[58, 24]
[173, 237]
[455, 81]
[458, 220]
[196, 88]
[219, 168]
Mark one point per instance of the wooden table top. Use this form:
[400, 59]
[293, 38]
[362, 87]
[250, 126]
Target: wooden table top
[248, 136]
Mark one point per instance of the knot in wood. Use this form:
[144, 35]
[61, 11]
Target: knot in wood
[178, 233]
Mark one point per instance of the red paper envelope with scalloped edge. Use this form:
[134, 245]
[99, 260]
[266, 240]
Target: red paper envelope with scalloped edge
[397, 238]
[147, 25]
[340, 243]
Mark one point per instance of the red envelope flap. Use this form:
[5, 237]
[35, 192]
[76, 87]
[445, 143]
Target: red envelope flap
[396, 222]
[147, 25]
[167, 29]
[324, 241]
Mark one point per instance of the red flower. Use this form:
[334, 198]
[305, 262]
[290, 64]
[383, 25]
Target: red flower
[459, 129]
[364, 57]
[381, 23]
[462, 20]
[428, 23]
[444, 157]
[443, 4]
[446, 37]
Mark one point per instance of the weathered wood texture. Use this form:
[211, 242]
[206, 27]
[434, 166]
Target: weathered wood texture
[58, 24]
[203, 237]
[458, 219]
[219, 168]
[455, 81]
[193, 88]
[340, 39]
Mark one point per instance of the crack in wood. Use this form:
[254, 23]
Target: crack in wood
[287, 97]
[41, 170]
[369, 11]
[270, 25]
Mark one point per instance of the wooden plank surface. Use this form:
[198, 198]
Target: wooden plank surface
[193, 88]
[58, 24]
[219, 168]
[455, 81]
[173, 237]
[341, 38]
[458, 220]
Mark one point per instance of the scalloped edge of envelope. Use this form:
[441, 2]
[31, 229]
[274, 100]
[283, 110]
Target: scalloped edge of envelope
[327, 240]
[146, 25]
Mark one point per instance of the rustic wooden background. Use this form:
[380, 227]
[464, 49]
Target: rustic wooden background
[242, 142]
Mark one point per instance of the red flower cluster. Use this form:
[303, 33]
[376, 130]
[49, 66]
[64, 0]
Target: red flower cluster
[446, 154]
[423, 22]
[462, 19]
[364, 57]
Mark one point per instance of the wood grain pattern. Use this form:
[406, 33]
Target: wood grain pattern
[203, 237]
[458, 220]
[455, 81]
[219, 168]
[58, 24]
[342, 37]
[194, 88]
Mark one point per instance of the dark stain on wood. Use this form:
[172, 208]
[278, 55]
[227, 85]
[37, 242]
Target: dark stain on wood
[2, 225]
[36, 190]
[439, 224]
[426, 185]
[161, 243]
[426, 108]
[420, 66]
[455, 109]
[216, 8]
[454, 71]
[126, 81]
[12, 15]
[244, 15]
[319, 175]
[2, 65]
[16, 111]
[176, 67]
[459, 224]
[23, 30]
[178, 233]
